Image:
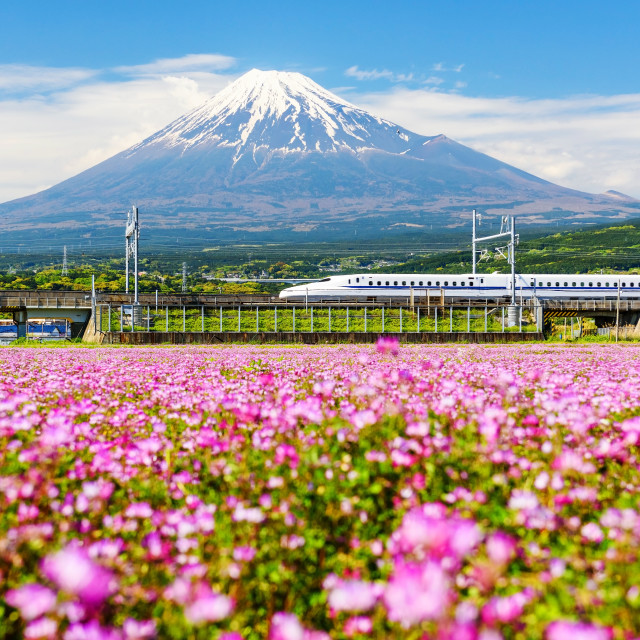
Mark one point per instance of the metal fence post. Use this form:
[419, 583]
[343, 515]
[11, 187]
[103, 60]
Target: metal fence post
[329, 319]
[347, 319]
[166, 313]
[365, 319]
[109, 317]
[202, 318]
[121, 319]
[418, 319]
[311, 319]
[468, 319]
[184, 319]
[275, 316]
[294, 319]
[450, 319]
[220, 308]
[435, 319]
[502, 319]
[148, 318]
[400, 319]
[239, 325]
[382, 319]
[257, 319]
[485, 318]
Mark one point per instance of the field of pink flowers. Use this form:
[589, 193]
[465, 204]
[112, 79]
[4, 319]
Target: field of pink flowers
[453, 493]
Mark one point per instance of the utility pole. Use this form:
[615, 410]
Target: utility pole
[65, 266]
[184, 277]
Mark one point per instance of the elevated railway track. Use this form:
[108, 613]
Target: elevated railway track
[77, 307]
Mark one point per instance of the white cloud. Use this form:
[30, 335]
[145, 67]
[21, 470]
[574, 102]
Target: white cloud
[20, 77]
[184, 64]
[587, 142]
[47, 140]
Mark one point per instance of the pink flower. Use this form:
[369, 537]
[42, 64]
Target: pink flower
[416, 593]
[32, 600]
[286, 626]
[388, 345]
[91, 631]
[592, 532]
[565, 630]
[41, 628]
[209, 607]
[138, 629]
[500, 548]
[74, 572]
[354, 595]
[357, 624]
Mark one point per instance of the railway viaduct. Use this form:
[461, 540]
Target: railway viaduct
[76, 306]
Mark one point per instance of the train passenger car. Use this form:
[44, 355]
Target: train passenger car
[497, 286]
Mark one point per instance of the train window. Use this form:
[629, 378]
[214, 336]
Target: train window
[481, 280]
[404, 283]
[379, 283]
[349, 280]
[412, 283]
[566, 284]
[597, 284]
[446, 283]
[591, 284]
[606, 284]
[624, 284]
[429, 283]
[370, 283]
[548, 284]
[437, 283]
[420, 283]
[573, 284]
[395, 283]
[357, 279]
[471, 284]
[387, 283]
[582, 284]
[324, 280]
[533, 284]
[557, 284]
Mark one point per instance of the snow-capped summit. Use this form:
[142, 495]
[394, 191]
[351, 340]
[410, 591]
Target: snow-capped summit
[274, 155]
[280, 111]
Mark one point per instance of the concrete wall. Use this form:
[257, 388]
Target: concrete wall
[157, 337]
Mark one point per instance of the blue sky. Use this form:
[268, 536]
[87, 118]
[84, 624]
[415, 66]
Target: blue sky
[551, 87]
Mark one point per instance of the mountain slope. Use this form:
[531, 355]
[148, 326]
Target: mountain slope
[275, 152]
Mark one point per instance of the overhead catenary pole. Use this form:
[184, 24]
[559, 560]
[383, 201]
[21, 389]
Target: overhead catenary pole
[131, 237]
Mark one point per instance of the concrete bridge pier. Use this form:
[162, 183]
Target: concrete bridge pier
[20, 318]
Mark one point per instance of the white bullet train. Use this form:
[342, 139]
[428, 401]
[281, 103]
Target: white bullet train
[372, 287]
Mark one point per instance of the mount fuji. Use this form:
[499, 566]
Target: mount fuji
[274, 154]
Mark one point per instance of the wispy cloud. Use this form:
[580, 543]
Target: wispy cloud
[192, 62]
[440, 67]
[20, 77]
[375, 74]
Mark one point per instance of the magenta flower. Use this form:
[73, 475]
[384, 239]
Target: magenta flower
[74, 572]
[31, 600]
